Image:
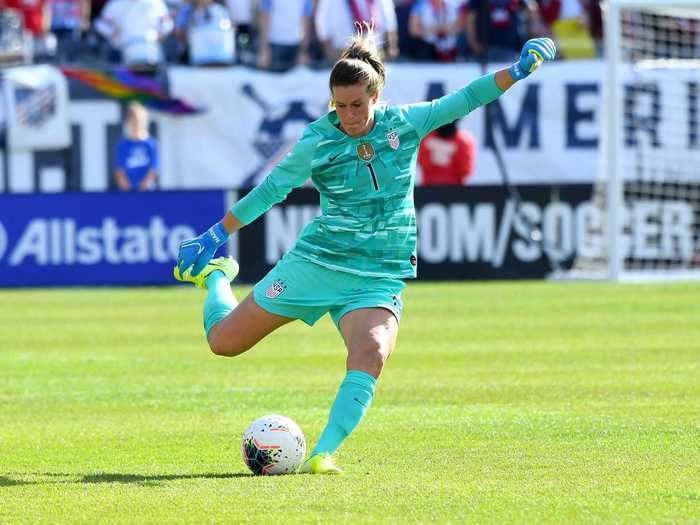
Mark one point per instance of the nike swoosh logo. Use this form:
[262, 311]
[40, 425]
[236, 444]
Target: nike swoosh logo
[331, 158]
[360, 402]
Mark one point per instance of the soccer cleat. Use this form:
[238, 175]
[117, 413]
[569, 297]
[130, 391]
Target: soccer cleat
[227, 265]
[319, 464]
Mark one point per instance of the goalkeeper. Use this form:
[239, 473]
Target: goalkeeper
[351, 260]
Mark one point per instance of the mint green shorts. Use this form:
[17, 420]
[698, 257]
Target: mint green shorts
[301, 289]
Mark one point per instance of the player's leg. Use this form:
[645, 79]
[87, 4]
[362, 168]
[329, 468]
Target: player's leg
[370, 336]
[231, 328]
[242, 328]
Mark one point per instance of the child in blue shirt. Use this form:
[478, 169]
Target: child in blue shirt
[136, 165]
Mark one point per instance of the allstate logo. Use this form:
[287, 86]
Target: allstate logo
[3, 240]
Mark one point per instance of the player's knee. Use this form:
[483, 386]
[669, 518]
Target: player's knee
[369, 357]
[225, 347]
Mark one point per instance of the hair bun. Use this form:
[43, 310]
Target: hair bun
[359, 52]
[362, 48]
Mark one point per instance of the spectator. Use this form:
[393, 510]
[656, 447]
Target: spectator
[37, 20]
[447, 156]
[595, 23]
[174, 6]
[14, 45]
[575, 25]
[207, 30]
[408, 46]
[436, 24]
[496, 29]
[96, 7]
[284, 32]
[134, 30]
[242, 16]
[136, 166]
[69, 18]
[336, 19]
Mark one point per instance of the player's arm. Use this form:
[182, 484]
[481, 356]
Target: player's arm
[123, 182]
[428, 116]
[307, 27]
[291, 173]
[264, 53]
[149, 180]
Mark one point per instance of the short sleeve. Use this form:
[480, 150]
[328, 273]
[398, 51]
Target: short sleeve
[308, 8]
[321, 21]
[120, 160]
[155, 157]
[389, 13]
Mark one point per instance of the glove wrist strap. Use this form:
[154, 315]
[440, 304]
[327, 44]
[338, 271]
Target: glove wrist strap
[218, 234]
[517, 72]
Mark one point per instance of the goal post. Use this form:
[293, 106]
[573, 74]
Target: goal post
[648, 191]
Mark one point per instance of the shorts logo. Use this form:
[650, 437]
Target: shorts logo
[275, 289]
[393, 138]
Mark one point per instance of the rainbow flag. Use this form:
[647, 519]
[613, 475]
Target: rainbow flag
[122, 84]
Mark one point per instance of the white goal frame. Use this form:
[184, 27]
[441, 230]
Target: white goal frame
[613, 166]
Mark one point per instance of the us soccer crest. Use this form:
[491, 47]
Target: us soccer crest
[393, 138]
[365, 151]
[275, 289]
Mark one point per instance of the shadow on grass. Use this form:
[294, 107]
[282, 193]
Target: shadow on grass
[137, 478]
[105, 477]
[8, 482]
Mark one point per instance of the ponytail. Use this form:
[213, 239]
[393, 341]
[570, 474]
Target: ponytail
[360, 62]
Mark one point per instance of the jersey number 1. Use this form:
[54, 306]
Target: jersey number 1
[374, 176]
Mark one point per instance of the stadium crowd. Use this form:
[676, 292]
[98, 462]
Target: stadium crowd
[279, 34]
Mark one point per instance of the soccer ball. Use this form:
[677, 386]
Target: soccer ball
[273, 445]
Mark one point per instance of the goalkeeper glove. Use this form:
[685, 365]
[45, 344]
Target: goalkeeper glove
[535, 51]
[196, 253]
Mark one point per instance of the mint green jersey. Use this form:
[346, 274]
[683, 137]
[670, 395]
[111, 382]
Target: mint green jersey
[367, 224]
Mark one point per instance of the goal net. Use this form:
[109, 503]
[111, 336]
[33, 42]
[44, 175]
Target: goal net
[649, 187]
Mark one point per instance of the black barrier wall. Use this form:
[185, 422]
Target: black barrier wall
[463, 232]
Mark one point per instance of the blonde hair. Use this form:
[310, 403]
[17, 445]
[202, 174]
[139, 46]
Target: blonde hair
[137, 114]
[137, 110]
[360, 62]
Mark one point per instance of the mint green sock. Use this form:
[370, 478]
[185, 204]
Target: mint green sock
[220, 300]
[352, 401]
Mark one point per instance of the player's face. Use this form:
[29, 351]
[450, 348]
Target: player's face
[355, 108]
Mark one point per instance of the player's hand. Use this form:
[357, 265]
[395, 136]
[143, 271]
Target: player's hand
[535, 51]
[196, 253]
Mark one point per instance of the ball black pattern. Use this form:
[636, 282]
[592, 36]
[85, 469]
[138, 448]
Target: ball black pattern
[259, 459]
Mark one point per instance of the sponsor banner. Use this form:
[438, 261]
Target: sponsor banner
[99, 238]
[463, 233]
[477, 233]
[38, 97]
[548, 127]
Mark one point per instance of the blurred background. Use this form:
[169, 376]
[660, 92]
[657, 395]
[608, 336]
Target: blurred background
[129, 125]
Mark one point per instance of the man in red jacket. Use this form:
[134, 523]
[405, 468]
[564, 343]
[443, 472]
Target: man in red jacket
[34, 12]
[447, 156]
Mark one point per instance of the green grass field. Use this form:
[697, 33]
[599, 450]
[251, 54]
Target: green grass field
[503, 403]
